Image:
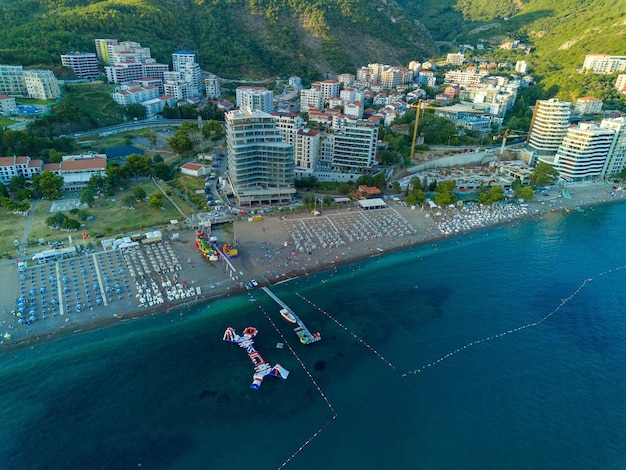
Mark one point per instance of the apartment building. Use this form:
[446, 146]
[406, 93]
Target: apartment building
[12, 81]
[212, 86]
[102, 49]
[307, 149]
[456, 58]
[252, 97]
[355, 147]
[177, 89]
[134, 93]
[604, 63]
[347, 79]
[84, 64]
[7, 105]
[588, 105]
[124, 72]
[186, 63]
[41, 84]
[288, 125]
[548, 126]
[583, 153]
[128, 51]
[329, 88]
[260, 164]
[616, 159]
[311, 99]
[19, 166]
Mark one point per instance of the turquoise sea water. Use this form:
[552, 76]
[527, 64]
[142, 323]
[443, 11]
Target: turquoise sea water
[165, 392]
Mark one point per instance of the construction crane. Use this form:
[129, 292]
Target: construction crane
[506, 136]
[418, 107]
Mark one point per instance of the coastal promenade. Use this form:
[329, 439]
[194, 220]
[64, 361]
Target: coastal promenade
[108, 286]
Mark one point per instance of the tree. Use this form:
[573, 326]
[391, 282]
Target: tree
[128, 201]
[211, 128]
[445, 198]
[156, 200]
[489, 195]
[56, 220]
[543, 174]
[88, 195]
[139, 193]
[162, 171]
[157, 159]
[16, 183]
[135, 111]
[54, 156]
[48, 185]
[180, 143]
[138, 164]
[525, 192]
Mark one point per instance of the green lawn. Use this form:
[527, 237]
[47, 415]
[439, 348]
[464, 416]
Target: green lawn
[111, 218]
[11, 227]
[5, 121]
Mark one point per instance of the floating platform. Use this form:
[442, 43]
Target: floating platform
[261, 368]
[303, 333]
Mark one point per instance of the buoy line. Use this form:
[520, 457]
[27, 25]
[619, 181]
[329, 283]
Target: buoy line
[345, 328]
[319, 389]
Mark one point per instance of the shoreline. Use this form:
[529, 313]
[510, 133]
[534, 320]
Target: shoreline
[426, 234]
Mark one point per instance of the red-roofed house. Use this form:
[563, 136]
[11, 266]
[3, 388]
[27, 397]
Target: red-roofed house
[195, 169]
[77, 170]
[368, 192]
[18, 166]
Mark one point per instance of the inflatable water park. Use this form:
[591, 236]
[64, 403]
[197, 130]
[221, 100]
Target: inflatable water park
[261, 368]
[205, 248]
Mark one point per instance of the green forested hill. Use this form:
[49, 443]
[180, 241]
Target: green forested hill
[238, 38]
[232, 37]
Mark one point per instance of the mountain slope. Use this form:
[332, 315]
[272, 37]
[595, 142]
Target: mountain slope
[232, 37]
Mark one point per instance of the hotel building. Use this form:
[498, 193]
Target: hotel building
[84, 64]
[548, 126]
[260, 164]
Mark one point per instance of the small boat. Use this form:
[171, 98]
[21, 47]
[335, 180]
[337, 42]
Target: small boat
[287, 315]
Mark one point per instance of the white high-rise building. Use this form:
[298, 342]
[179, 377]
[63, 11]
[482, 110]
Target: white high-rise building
[254, 97]
[182, 58]
[127, 52]
[311, 99]
[288, 124]
[102, 49]
[456, 58]
[355, 147]
[548, 126]
[212, 86]
[604, 63]
[12, 81]
[582, 154]
[41, 84]
[260, 164]
[185, 62]
[616, 159]
[84, 64]
[307, 149]
[330, 88]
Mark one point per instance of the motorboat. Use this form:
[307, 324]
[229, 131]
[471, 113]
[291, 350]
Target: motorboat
[287, 315]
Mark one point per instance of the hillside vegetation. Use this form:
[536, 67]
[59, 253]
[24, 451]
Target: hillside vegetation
[233, 37]
[311, 38]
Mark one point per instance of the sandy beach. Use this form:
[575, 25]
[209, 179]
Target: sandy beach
[101, 287]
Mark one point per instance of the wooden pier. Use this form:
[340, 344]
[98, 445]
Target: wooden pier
[306, 337]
